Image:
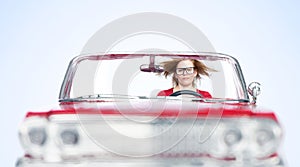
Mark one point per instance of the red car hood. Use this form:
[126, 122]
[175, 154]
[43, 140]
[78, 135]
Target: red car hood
[159, 108]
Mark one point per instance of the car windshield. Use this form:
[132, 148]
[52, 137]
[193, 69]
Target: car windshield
[140, 76]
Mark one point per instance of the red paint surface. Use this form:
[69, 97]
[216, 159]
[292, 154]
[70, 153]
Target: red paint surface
[226, 111]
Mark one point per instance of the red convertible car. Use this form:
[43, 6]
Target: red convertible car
[111, 113]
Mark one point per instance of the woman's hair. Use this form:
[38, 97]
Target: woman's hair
[170, 68]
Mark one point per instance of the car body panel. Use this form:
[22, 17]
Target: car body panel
[92, 127]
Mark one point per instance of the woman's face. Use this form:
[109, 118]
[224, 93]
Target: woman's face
[185, 73]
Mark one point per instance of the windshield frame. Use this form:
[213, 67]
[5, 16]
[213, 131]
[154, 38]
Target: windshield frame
[64, 94]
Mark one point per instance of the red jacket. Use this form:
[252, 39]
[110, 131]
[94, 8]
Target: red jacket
[168, 92]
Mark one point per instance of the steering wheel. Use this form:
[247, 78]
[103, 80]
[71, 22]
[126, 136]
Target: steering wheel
[187, 92]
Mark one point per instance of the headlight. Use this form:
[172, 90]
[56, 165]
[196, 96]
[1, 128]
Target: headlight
[264, 136]
[69, 137]
[33, 135]
[245, 138]
[267, 140]
[225, 141]
[37, 136]
[232, 137]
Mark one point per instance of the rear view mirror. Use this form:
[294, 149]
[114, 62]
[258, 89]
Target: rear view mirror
[151, 68]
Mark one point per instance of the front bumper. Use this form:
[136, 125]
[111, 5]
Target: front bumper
[152, 162]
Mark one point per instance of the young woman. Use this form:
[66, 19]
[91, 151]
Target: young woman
[185, 73]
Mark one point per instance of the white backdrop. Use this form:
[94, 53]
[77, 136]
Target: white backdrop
[38, 38]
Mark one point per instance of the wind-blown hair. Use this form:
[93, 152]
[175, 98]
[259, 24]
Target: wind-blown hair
[170, 68]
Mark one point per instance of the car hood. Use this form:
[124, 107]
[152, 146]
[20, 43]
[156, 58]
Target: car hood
[158, 108]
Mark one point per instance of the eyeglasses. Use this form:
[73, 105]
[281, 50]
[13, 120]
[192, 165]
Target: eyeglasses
[187, 70]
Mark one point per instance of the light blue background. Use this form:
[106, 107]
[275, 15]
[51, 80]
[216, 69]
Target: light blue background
[38, 38]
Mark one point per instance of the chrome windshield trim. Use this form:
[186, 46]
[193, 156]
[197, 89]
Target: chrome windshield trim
[65, 89]
[96, 98]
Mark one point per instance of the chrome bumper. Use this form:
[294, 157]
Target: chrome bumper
[151, 162]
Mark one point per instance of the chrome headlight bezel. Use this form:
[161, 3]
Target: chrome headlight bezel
[34, 135]
[245, 138]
